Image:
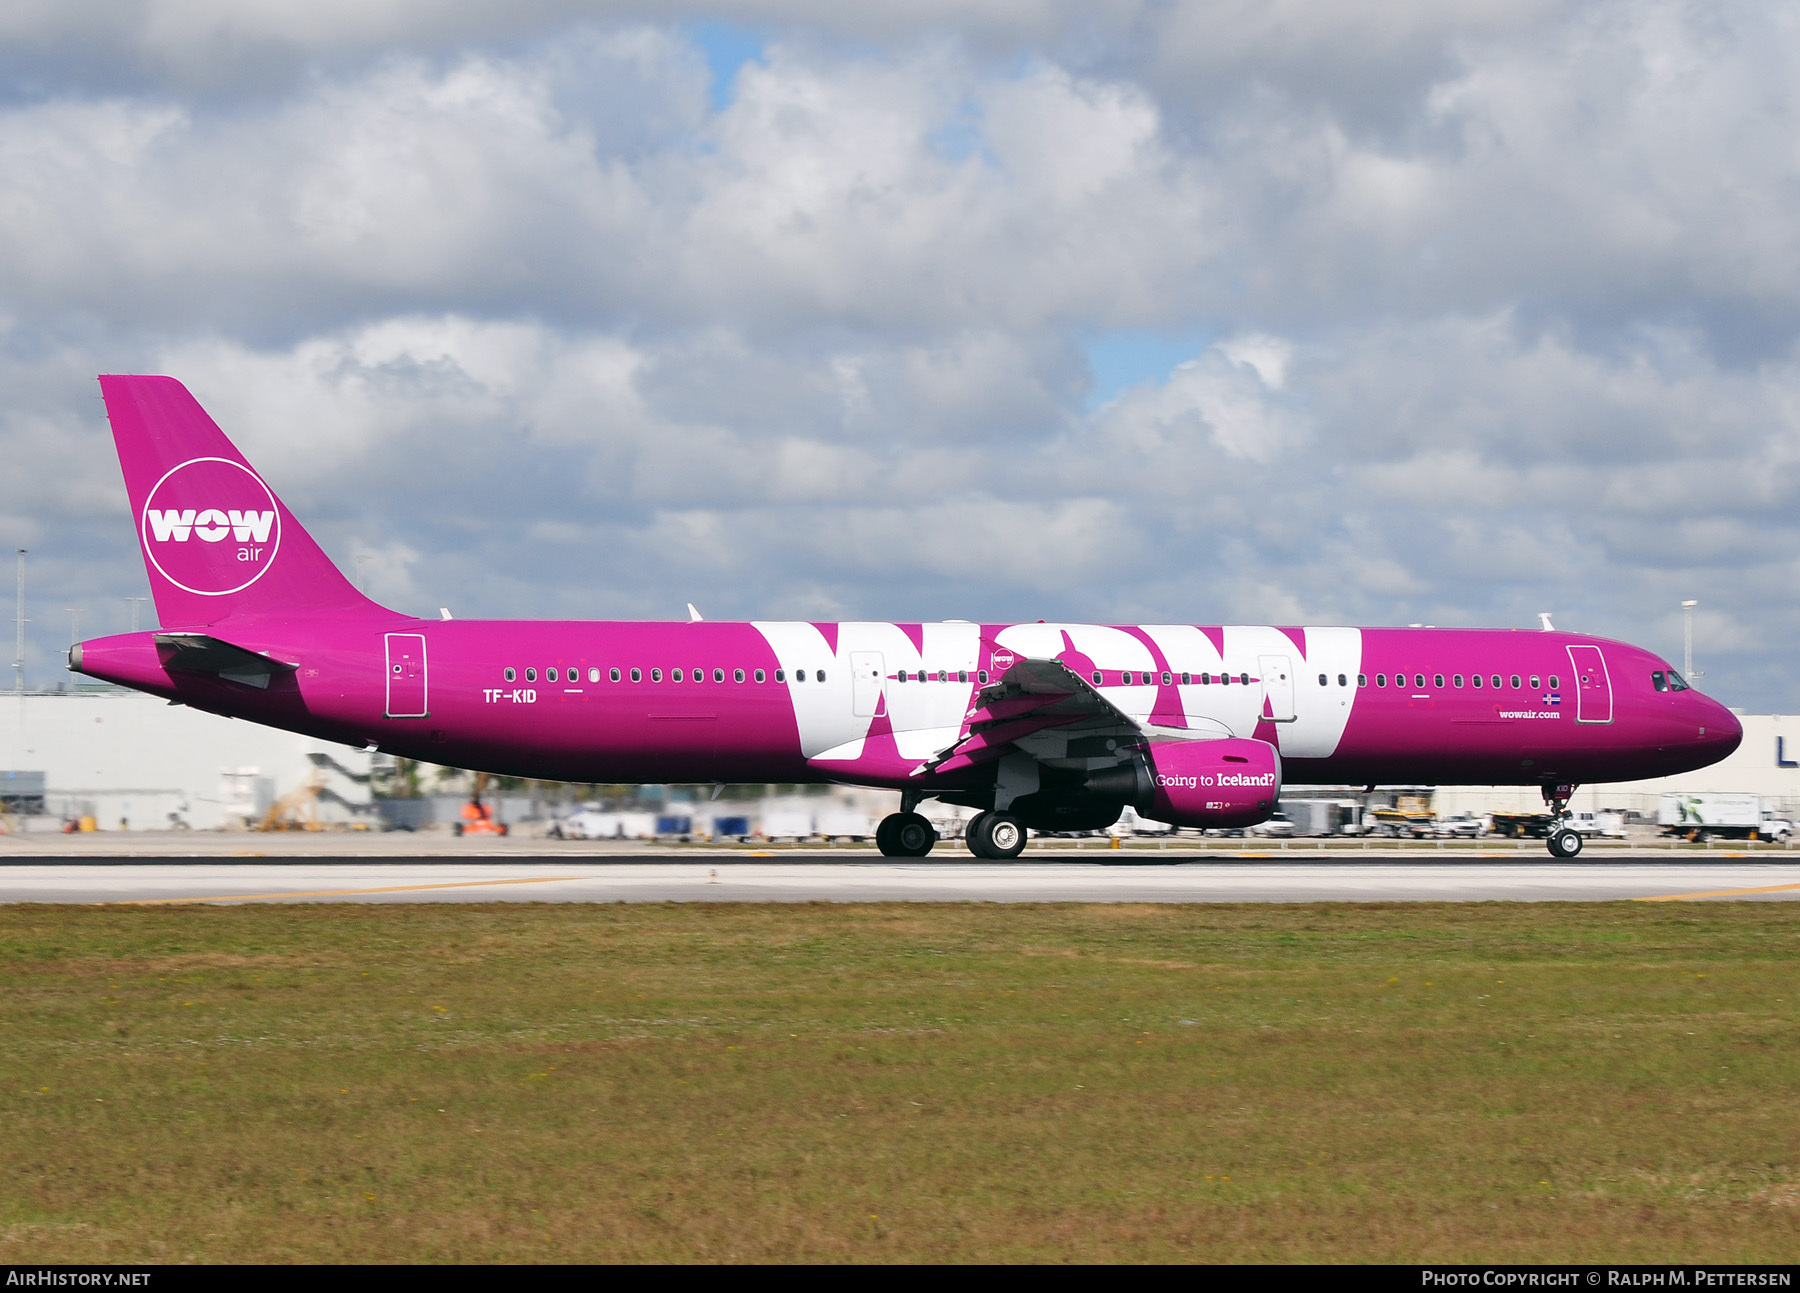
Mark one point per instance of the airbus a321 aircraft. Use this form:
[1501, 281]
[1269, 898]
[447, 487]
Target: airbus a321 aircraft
[1039, 726]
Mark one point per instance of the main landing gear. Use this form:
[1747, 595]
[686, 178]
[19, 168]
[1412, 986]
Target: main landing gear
[1563, 842]
[904, 835]
[998, 837]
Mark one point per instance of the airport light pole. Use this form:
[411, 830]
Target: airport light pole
[1687, 640]
[19, 621]
[134, 610]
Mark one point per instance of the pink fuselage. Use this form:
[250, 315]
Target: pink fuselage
[853, 720]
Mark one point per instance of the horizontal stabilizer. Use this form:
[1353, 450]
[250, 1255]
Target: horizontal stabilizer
[203, 653]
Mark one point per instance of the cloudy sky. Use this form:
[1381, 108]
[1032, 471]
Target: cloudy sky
[1373, 311]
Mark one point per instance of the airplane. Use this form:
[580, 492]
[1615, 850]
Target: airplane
[1039, 726]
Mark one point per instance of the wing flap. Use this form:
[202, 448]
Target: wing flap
[1030, 697]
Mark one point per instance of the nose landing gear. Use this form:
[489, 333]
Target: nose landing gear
[1563, 841]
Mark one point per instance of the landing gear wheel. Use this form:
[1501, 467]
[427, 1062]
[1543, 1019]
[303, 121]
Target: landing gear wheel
[904, 835]
[999, 837]
[1565, 843]
[972, 833]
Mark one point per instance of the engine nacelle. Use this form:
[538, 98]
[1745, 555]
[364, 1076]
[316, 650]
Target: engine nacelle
[1213, 783]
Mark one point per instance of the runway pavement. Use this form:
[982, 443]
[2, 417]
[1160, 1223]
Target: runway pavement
[737, 877]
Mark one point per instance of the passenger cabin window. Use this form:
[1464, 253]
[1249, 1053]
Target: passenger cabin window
[1515, 682]
[1554, 684]
[1362, 680]
[1534, 682]
[1321, 680]
[1381, 680]
[674, 675]
[981, 676]
[637, 675]
[530, 675]
[656, 675]
[550, 674]
[962, 675]
[1419, 680]
[819, 674]
[1243, 680]
[1097, 679]
[1475, 680]
[737, 675]
[718, 675]
[1187, 679]
[1437, 680]
[760, 676]
[800, 676]
[1343, 680]
[1167, 679]
[1456, 678]
[1496, 681]
[512, 675]
[781, 675]
[613, 674]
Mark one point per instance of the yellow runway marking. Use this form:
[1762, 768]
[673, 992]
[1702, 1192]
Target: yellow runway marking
[1719, 893]
[341, 893]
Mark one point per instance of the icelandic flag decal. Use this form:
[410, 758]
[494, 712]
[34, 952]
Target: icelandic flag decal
[1553, 698]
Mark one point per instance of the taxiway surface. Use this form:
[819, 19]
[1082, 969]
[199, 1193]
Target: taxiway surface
[731, 877]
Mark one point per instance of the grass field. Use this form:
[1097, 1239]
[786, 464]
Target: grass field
[833, 1082]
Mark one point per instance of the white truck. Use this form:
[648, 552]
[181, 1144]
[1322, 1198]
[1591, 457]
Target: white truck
[1610, 825]
[1720, 817]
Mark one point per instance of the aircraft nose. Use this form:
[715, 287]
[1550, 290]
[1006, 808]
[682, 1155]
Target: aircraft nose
[1721, 733]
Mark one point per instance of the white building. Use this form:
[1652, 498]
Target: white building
[134, 762]
[1767, 763]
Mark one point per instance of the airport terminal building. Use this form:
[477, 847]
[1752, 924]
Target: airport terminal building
[129, 761]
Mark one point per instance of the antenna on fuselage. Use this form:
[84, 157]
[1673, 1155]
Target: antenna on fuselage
[1544, 619]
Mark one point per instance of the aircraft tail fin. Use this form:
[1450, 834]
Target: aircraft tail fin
[217, 543]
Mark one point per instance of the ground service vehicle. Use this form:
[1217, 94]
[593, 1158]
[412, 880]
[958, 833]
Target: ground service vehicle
[1524, 826]
[1037, 726]
[1720, 816]
[1458, 826]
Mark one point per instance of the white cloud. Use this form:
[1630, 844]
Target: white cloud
[1504, 304]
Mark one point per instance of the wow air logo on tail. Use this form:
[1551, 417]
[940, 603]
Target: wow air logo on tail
[211, 527]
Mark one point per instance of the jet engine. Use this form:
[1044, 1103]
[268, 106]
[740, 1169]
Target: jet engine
[1213, 783]
[1186, 783]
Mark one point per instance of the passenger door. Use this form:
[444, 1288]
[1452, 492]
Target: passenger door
[406, 675]
[1593, 688]
[1278, 685]
[866, 681]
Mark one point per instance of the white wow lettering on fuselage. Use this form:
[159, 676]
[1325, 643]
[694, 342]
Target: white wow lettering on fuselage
[209, 524]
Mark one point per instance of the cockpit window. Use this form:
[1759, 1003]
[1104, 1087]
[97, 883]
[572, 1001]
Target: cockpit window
[1677, 682]
[1659, 680]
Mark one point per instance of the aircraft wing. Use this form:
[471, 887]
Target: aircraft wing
[1037, 698]
[203, 653]
[1047, 710]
